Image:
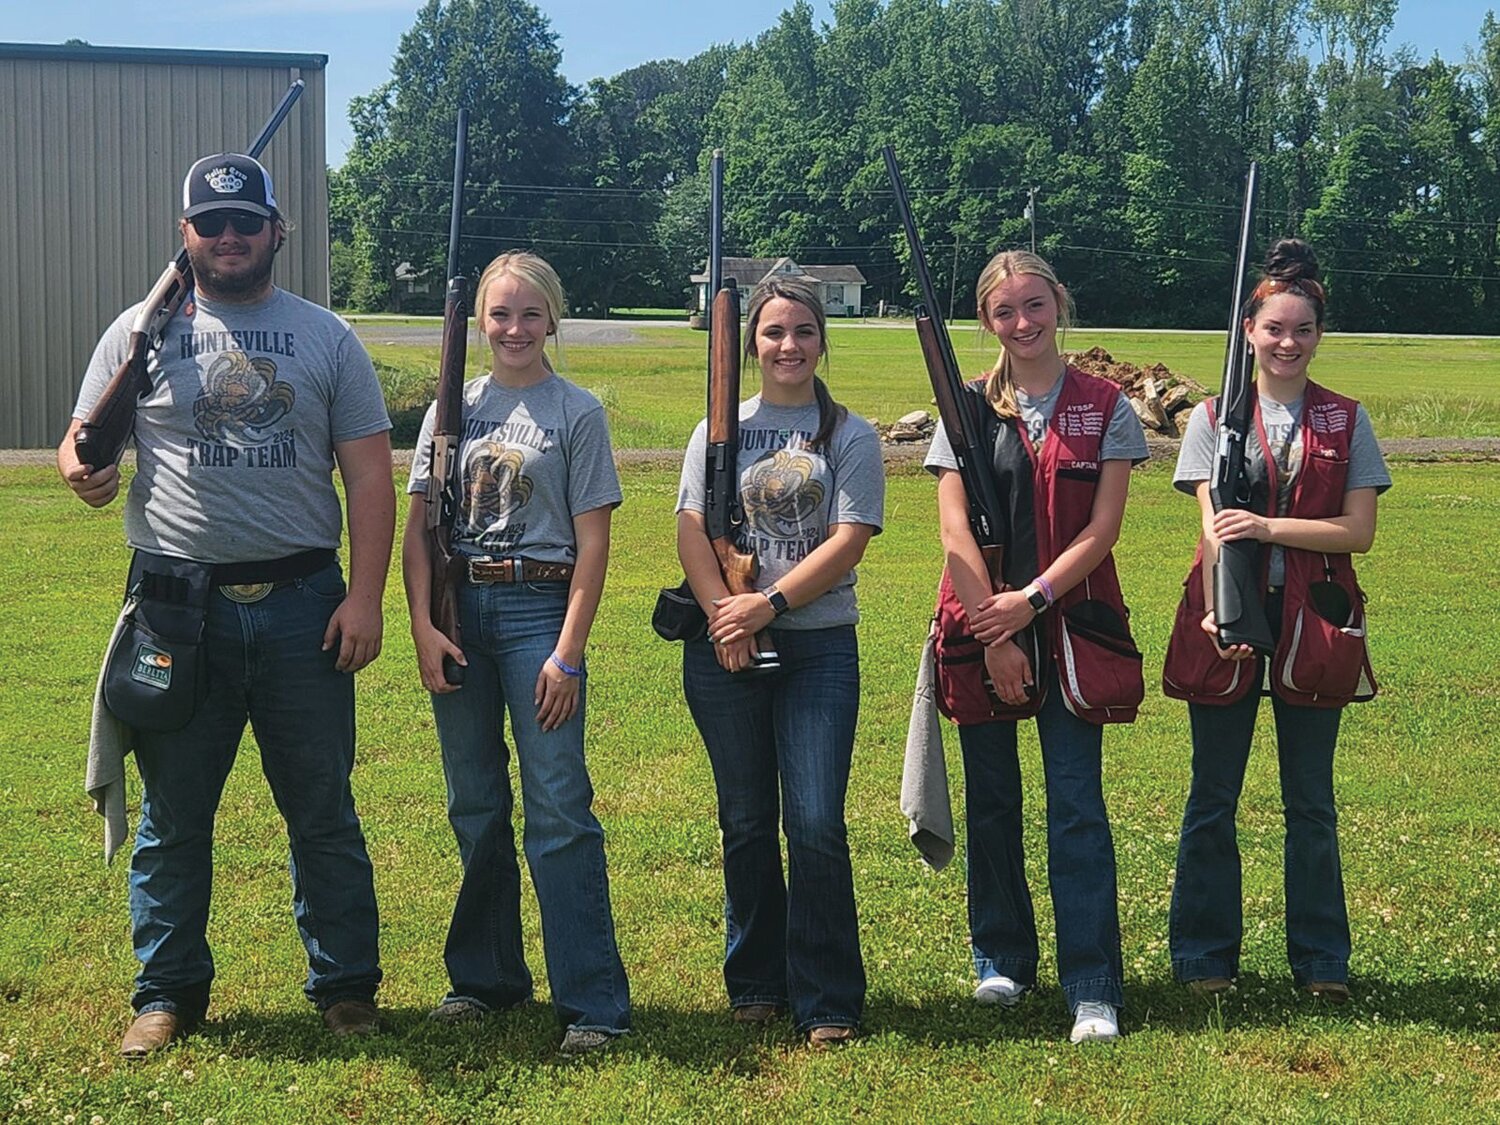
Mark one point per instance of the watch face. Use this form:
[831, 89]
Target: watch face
[1038, 601]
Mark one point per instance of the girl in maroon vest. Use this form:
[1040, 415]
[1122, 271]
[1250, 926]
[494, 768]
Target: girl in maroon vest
[1053, 643]
[1317, 471]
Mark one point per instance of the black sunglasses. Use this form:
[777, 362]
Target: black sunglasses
[212, 224]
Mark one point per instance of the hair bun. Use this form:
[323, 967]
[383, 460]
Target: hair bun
[1291, 259]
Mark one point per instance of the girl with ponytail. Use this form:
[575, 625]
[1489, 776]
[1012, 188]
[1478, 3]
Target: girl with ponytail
[1053, 643]
[1316, 471]
[780, 741]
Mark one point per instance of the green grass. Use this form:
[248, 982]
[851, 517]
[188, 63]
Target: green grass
[1412, 387]
[1420, 830]
[648, 314]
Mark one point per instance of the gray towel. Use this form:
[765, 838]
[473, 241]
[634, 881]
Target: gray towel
[109, 742]
[924, 779]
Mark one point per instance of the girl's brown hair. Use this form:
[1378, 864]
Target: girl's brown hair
[798, 289]
[1000, 386]
[1291, 267]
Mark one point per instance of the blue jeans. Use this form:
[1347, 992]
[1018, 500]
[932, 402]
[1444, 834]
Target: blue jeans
[509, 631]
[266, 664]
[1080, 855]
[782, 742]
[1207, 924]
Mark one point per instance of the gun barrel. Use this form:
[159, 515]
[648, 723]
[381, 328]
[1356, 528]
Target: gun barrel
[965, 433]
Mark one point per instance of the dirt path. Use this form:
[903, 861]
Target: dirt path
[574, 331]
[905, 453]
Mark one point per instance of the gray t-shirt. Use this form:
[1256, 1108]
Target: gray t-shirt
[791, 493]
[1283, 422]
[532, 458]
[234, 442]
[1123, 439]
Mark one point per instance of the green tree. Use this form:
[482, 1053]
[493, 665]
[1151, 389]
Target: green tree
[1354, 229]
[500, 59]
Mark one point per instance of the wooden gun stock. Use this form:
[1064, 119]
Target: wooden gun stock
[101, 438]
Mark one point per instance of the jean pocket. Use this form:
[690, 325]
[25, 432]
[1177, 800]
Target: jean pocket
[326, 585]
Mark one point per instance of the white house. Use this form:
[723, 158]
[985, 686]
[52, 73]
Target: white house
[840, 287]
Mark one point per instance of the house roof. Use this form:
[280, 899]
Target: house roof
[749, 272]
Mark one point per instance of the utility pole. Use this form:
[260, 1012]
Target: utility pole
[953, 281]
[1031, 214]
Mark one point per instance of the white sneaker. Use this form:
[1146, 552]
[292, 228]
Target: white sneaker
[1096, 1021]
[999, 990]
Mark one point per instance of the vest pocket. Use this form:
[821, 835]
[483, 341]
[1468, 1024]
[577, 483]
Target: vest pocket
[1101, 665]
[1193, 669]
[1321, 657]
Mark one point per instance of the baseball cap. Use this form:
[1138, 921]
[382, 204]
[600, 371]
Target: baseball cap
[228, 181]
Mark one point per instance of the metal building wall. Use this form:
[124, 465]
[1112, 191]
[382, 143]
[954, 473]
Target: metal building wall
[94, 142]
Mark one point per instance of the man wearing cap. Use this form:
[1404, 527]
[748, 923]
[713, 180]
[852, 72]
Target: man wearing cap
[256, 396]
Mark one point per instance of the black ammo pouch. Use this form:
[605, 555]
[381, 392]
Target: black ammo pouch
[156, 672]
[678, 616]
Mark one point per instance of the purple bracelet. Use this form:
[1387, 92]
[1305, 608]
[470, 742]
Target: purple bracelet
[566, 669]
[1046, 588]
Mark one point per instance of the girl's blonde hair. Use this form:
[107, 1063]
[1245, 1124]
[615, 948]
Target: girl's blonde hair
[1000, 386]
[535, 271]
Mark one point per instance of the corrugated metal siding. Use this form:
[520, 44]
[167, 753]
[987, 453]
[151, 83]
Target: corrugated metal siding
[92, 155]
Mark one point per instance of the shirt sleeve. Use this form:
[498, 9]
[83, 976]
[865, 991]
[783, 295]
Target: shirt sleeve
[691, 488]
[1125, 439]
[109, 353]
[592, 479]
[1195, 460]
[358, 408]
[1367, 467]
[859, 478]
[421, 461]
[940, 452]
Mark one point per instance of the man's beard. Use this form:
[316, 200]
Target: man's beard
[214, 283]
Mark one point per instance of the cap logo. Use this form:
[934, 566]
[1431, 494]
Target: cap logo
[226, 180]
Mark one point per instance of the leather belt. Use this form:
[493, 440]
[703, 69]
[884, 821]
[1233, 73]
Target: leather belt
[486, 571]
[247, 582]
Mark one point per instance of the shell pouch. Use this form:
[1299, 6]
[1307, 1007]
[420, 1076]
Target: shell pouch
[678, 616]
[964, 691]
[1101, 672]
[1323, 653]
[1193, 669]
[156, 672]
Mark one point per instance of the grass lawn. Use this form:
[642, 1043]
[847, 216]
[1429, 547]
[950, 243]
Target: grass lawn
[1420, 830]
[1412, 387]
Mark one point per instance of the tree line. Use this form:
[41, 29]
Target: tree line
[1130, 123]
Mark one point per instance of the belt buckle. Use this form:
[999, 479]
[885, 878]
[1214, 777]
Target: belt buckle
[247, 592]
[469, 570]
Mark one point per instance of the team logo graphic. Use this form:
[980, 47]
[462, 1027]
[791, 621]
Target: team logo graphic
[152, 667]
[226, 180]
[780, 494]
[494, 485]
[240, 398]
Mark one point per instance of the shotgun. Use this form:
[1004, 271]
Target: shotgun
[955, 408]
[1238, 610]
[444, 475]
[722, 513]
[101, 438]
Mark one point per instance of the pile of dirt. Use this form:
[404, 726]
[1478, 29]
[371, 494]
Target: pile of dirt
[1158, 394]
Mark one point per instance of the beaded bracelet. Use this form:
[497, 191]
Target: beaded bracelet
[566, 669]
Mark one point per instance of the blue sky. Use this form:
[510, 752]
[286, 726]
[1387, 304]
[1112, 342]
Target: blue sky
[598, 37]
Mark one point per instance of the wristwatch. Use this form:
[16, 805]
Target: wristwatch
[1036, 599]
[777, 600]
